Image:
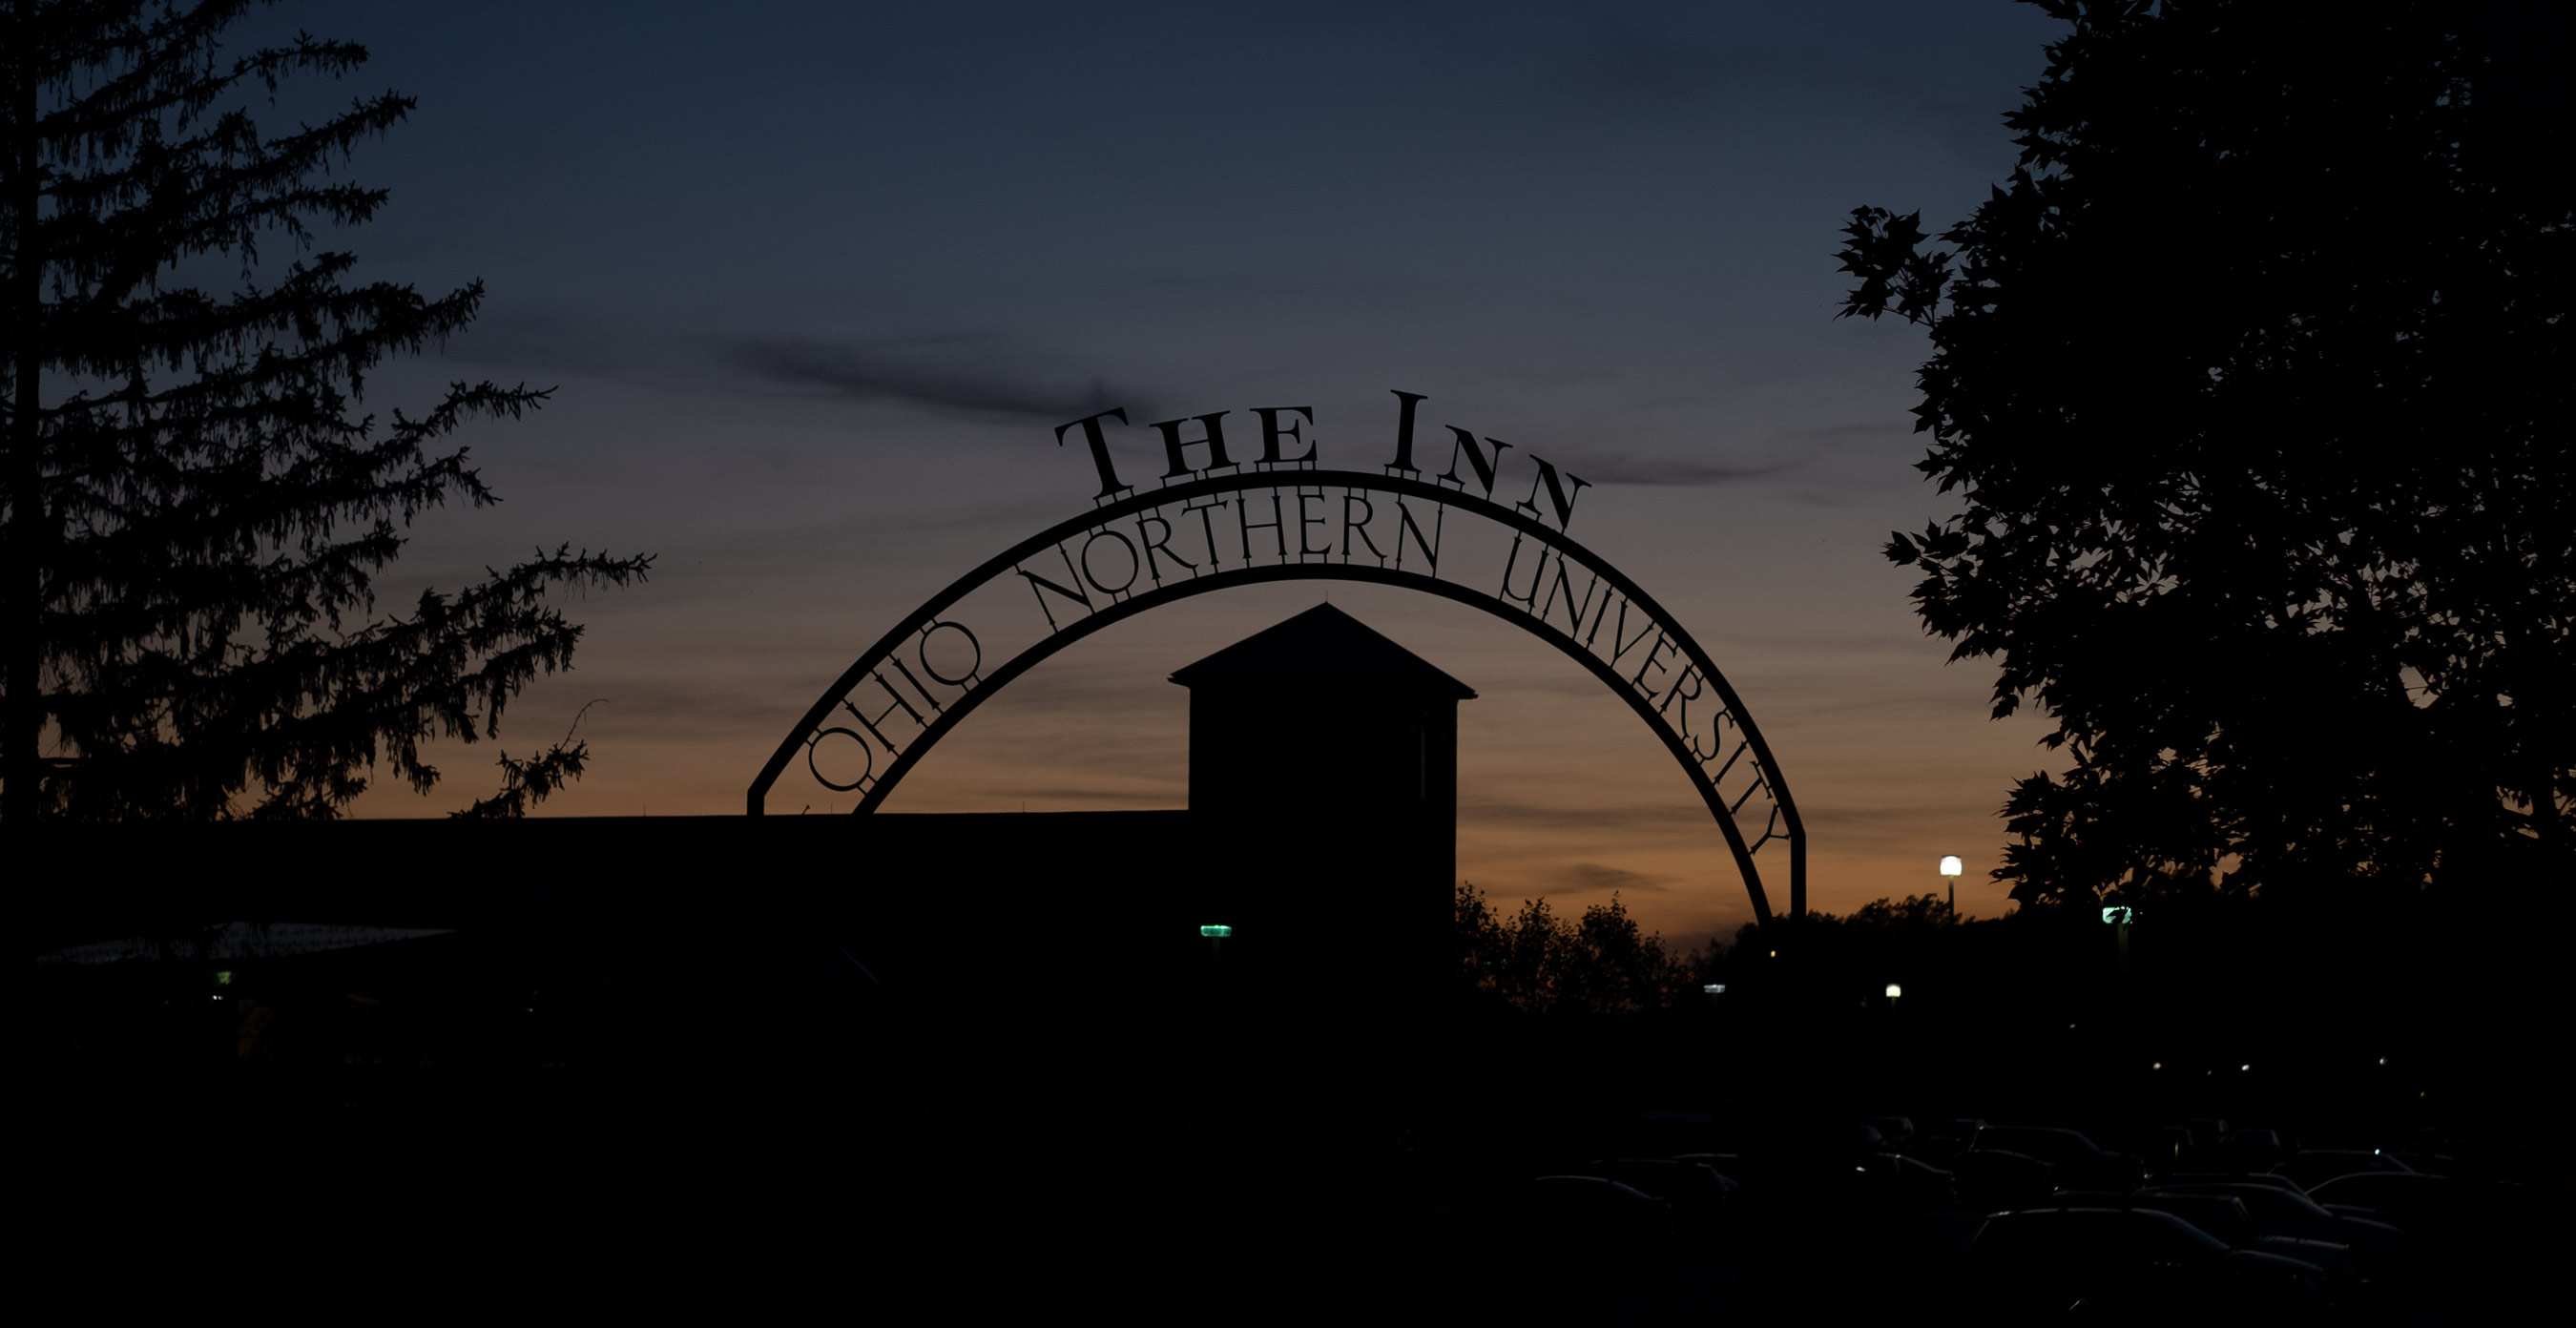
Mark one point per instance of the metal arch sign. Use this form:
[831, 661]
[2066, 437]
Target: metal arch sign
[1214, 522]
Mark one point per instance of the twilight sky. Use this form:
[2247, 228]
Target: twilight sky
[816, 283]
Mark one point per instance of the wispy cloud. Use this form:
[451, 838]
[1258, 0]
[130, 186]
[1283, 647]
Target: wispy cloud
[964, 374]
[1673, 472]
[1592, 878]
[1892, 428]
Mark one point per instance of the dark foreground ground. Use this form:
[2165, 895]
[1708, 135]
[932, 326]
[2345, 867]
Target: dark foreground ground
[652, 1064]
[755, 1118]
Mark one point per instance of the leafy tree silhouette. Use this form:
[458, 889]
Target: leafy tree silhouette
[195, 503]
[2254, 381]
[1600, 963]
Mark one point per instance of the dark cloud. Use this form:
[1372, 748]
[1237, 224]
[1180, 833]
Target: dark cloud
[1895, 427]
[1674, 472]
[1598, 878]
[1889, 827]
[1925, 707]
[963, 375]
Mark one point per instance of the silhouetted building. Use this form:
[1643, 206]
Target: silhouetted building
[1321, 716]
[593, 1014]
[1324, 768]
[1321, 827]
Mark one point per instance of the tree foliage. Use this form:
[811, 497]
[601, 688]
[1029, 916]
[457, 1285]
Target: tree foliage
[1879, 930]
[1600, 963]
[195, 500]
[2253, 382]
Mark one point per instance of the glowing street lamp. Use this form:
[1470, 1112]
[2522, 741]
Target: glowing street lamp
[1215, 932]
[2120, 916]
[1950, 869]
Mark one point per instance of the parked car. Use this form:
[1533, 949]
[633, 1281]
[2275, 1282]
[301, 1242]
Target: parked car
[1952, 1136]
[2130, 1262]
[2429, 1149]
[2406, 1200]
[2205, 1129]
[2196, 1148]
[1994, 1178]
[2226, 1217]
[1699, 1193]
[2172, 1151]
[1727, 1164]
[2256, 1148]
[2263, 1178]
[2316, 1166]
[1908, 1181]
[1896, 1133]
[2079, 1161]
[2281, 1210]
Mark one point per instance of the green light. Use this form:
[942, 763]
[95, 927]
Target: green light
[2118, 914]
[223, 977]
[1216, 931]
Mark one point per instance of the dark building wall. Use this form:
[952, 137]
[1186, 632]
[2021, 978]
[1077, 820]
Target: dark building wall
[1323, 783]
[961, 900]
[1331, 812]
[1326, 752]
[1324, 764]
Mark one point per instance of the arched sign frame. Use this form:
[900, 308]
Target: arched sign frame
[934, 702]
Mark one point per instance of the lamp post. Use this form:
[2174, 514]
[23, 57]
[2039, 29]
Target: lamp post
[1950, 869]
[2121, 916]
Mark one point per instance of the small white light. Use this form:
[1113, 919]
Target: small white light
[1950, 865]
[2157, 1066]
[2242, 1068]
[2383, 1060]
[1894, 991]
[1715, 989]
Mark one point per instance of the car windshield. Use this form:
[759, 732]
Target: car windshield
[2162, 1235]
[2069, 1231]
[2218, 1214]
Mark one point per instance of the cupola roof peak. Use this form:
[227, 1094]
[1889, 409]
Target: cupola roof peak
[1322, 644]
